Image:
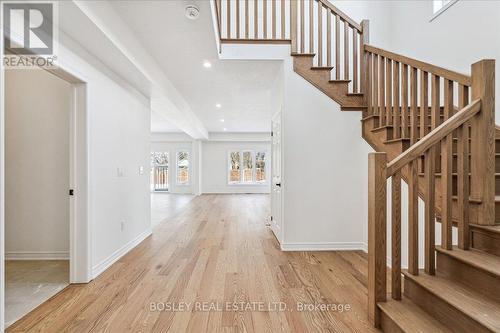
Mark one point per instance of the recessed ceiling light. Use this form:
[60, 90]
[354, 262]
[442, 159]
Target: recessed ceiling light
[225, 129]
[207, 64]
[218, 106]
[222, 120]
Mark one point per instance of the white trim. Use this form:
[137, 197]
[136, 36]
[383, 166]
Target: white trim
[329, 246]
[115, 256]
[41, 255]
[442, 10]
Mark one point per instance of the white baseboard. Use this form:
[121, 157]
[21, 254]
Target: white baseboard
[331, 246]
[106, 263]
[40, 255]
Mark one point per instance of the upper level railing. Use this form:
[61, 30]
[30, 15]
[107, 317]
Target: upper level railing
[310, 26]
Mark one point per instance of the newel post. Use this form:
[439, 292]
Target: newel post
[377, 234]
[483, 141]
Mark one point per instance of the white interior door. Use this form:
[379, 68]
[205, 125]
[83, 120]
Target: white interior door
[276, 186]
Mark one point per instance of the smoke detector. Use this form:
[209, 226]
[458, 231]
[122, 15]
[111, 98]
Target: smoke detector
[192, 12]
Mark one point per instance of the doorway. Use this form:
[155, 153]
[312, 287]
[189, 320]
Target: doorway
[276, 186]
[46, 239]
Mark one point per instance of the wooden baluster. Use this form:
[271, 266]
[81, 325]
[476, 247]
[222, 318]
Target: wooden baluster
[237, 19]
[337, 47]
[228, 18]
[483, 141]
[364, 40]
[396, 122]
[381, 95]
[293, 25]
[283, 19]
[424, 103]
[375, 94]
[264, 19]
[377, 234]
[388, 91]
[405, 114]
[463, 185]
[320, 34]
[354, 60]
[311, 27]
[328, 37]
[302, 32]
[413, 106]
[246, 20]
[255, 19]
[368, 85]
[446, 171]
[436, 112]
[413, 218]
[430, 214]
[273, 19]
[346, 51]
[396, 235]
[218, 6]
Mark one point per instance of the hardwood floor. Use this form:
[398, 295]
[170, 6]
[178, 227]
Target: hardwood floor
[216, 252]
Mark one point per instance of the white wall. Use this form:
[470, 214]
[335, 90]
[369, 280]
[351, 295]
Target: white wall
[118, 137]
[215, 166]
[465, 33]
[325, 170]
[38, 106]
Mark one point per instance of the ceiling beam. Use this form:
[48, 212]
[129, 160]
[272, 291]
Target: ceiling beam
[165, 98]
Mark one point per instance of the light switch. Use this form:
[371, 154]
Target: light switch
[141, 170]
[119, 172]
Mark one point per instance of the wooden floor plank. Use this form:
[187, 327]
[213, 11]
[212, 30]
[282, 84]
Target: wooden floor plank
[211, 250]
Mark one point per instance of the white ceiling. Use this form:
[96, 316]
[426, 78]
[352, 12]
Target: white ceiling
[80, 29]
[160, 125]
[180, 46]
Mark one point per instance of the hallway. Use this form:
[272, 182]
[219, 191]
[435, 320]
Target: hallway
[214, 252]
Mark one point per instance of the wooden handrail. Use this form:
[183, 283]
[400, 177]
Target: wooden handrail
[343, 16]
[433, 137]
[426, 67]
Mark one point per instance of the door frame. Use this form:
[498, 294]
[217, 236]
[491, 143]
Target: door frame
[278, 232]
[80, 264]
[80, 210]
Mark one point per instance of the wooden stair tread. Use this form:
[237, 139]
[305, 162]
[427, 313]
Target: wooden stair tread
[490, 228]
[471, 303]
[319, 68]
[339, 81]
[410, 318]
[478, 259]
[295, 54]
[438, 174]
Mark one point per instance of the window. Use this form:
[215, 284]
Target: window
[439, 6]
[247, 167]
[159, 171]
[183, 168]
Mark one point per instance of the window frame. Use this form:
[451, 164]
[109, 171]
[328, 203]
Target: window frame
[177, 183]
[441, 10]
[253, 153]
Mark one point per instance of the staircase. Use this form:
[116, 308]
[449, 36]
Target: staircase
[433, 129]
